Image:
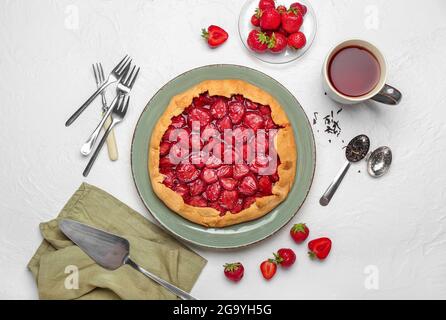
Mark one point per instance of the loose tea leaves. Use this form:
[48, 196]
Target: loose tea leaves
[330, 122]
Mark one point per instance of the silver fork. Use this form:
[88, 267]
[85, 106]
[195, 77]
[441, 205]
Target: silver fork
[111, 140]
[118, 113]
[124, 87]
[116, 74]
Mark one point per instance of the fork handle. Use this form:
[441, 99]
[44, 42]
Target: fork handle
[98, 149]
[88, 145]
[87, 103]
[111, 142]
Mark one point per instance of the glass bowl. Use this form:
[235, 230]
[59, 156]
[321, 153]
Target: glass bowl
[308, 27]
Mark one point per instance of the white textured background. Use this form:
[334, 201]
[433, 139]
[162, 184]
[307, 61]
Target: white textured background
[396, 224]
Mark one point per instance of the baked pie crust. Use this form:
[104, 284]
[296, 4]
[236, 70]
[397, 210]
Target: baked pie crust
[284, 143]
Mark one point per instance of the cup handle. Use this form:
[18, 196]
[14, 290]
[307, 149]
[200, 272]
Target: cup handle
[388, 95]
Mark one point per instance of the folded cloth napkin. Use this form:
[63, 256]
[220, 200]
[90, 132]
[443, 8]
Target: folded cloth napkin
[63, 271]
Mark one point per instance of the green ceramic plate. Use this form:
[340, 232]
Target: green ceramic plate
[245, 233]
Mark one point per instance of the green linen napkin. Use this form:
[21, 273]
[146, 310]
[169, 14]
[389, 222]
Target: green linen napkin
[63, 271]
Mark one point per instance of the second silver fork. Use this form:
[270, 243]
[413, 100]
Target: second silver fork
[111, 140]
[124, 87]
[118, 113]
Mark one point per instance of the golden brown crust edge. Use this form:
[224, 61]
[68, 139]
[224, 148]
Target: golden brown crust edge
[284, 143]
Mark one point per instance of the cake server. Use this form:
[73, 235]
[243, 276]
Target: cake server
[110, 251]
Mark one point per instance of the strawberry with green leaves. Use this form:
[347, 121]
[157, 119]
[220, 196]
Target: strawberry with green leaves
[258, 41]
[234, 271]
[277, 42]
[299, 232]
[285, 257]
[292, 21]
[255, 19]
[270, 19]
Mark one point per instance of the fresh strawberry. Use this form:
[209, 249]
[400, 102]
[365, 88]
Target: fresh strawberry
[270, 19]
[319, 248]
[277, 43]
[281, 9]
[268, 269]
[291, 22]
[285, 257]
[255, 19]
[299, 7]
[234, 271]
[297, 40]
[214, 35]
[265, 4]
[258, 41]
[299, 232]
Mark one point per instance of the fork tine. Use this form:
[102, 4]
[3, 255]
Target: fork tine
[121, 63]
[101, 73]
[128, 77]
[134, 78]
[124, 67]
[125, 105]
[96, 75]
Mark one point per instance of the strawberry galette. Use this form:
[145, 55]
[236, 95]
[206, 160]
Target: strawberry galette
[222, 153]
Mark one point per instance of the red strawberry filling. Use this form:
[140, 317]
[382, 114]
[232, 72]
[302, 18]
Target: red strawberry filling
[214, 169]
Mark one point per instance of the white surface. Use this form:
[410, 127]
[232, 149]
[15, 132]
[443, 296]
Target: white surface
[397, 223]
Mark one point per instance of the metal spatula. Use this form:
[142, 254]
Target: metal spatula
[110, 251]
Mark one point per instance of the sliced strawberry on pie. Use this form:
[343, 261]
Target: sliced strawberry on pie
[254, 120]
[236, 111]
[197, 201]
[248, 185]
[219, 108]
[199, 115]
[240, 170]
[228, 183]
[209, 175]
[196, 187]
[228, 199]
[213, 191]
[187, 172]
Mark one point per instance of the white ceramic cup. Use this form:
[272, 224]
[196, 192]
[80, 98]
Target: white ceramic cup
[382, 92]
